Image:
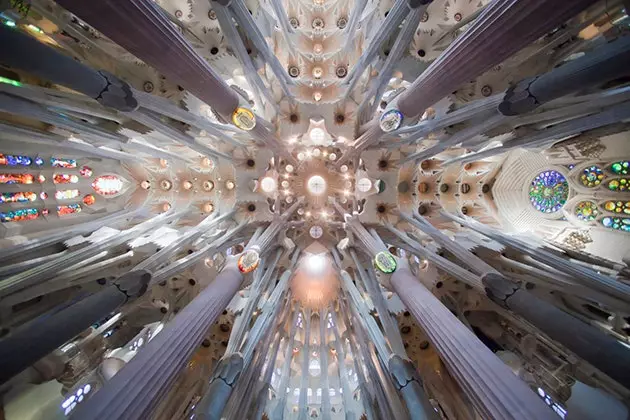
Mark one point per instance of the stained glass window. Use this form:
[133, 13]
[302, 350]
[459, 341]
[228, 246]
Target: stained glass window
[89, 199]
[43, 195]
[592, 176]
[17, 197]
[85, 172]
[586, 211]
[619, 184]
[68, 209]
[16, 179]
[15, 160]
[620, 168]
[66, 194]
[65, 179]
[549, 191]
[617, 206]
[63, 163]
[19, 215]
[107, 185]
[39, 161]
[617, 223]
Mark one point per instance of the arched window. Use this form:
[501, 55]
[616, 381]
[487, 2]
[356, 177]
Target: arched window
[617, 223]
[107, 185]
[592, 176]
[19, 215]
[63, 163]
[586, 211]
[18, 197]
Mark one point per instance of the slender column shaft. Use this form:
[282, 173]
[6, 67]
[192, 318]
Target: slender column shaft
[503, 28]
[38, 274]
[601, 350]
[65, 233]
[607, 63]
[343, 373]
[323, 356]
[27, 345]
[490, 384]
[137, 388]
[286, 370]
[141, 28]
[306, 348]
[582, 274]
[26, 53]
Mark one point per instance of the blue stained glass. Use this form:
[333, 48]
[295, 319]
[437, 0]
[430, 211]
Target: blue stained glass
[549, 191]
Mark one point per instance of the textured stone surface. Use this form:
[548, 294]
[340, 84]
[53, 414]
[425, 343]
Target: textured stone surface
[138, 387]
[504, 28]
[492, 387]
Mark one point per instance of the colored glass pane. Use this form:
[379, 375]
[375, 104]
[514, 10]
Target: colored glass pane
[39, 161]
[19, 215]
[63, 163]
[107, 185]
[16, 179]
[65, 179]
[43, 195]
[17, 197]
[617, 206]
[619, 184]
[592, 176]
[586, 211]
[549, 191]
[86, 171]
[15, 160]
[617, 223]
[620, 168]
[248, 261]
[66, 194]
[68, 209]
[89, 199]
[385, 262]
[10, 81]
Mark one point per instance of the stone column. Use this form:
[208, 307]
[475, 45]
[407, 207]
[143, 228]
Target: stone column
[222, 384]
[34, 341]
[136, 390]
[409, 384]
[490, 384]
[24, 52]
[602, 351]
[142, 29]
[502, 29]
[604, 64]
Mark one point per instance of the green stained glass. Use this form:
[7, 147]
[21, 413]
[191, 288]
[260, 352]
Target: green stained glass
[549, 191]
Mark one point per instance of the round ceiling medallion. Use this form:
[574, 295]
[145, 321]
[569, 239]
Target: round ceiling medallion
[316, 185]
[248, 261]
[385, 262]
[244, 119]
[364, 184]
[316, 232]
[391, 120]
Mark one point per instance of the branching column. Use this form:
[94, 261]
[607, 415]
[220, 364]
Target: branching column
[503, 28]
[136, 390]
[495, 391]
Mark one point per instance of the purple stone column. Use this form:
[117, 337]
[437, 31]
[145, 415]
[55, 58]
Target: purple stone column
[135, 391]
[504, 28]
[492, 387]
[142, 29]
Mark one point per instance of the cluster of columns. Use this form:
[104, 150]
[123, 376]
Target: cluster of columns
[490, 385]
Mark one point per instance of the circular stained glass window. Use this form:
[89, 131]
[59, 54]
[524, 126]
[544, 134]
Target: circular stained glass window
[549, 191]
[592, 176]
[586, 211]
[316, 232]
